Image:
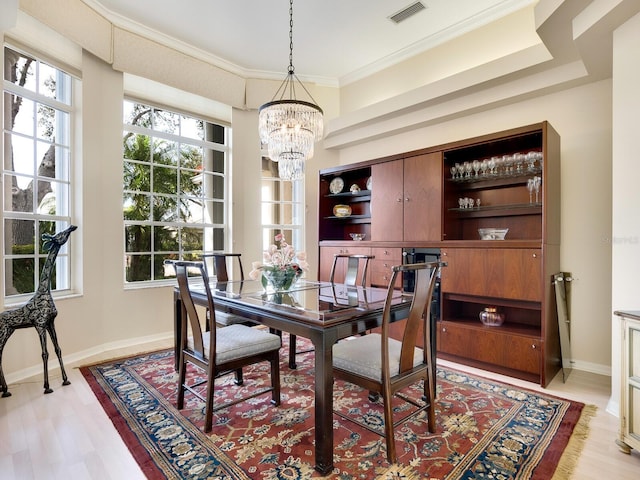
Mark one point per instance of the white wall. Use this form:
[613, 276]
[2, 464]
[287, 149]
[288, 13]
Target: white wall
[582, 117]
[625, 192]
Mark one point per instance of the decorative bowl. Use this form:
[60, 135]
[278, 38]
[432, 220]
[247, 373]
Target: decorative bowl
[357, 236]
[491, 317]
[342, 210]
[492, 233]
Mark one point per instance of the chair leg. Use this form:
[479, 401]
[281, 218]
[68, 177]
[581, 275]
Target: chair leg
[275, 378]
[431, 409]
[292, 352]
[182, 374]
[239, 377]
[388, 426]
[208, 406]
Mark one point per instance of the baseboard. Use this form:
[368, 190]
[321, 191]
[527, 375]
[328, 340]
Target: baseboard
[104, 351]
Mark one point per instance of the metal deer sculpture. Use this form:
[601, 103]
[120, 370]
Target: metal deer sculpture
[39, 312]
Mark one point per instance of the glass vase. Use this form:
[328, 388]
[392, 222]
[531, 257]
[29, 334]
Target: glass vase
[280, 279]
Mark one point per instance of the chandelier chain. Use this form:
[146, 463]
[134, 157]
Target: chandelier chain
[291, 69]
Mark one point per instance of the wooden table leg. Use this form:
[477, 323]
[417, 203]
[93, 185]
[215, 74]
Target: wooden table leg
[324, 401]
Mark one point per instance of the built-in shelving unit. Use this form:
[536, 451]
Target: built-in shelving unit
[440, 197]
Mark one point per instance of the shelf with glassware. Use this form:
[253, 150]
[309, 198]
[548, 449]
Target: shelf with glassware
[495, 184]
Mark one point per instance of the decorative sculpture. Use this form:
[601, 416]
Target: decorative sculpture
[39, 312]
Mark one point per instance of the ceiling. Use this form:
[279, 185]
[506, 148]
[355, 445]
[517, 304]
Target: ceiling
[334, 41]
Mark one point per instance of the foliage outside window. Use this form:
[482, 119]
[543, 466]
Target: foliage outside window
[37, 106]
[282, 207]
[175, 188]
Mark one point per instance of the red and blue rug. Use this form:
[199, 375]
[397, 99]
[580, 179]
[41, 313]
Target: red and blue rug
[485, 429]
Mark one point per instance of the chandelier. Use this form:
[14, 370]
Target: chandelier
[289, 127]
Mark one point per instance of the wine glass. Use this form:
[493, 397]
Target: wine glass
[531, 160]
[530, 187]
[484, 166]
[476, 166]
[453, 171]
[468, 167]
[537, 181]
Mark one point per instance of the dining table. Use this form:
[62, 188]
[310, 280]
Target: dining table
[323, 312]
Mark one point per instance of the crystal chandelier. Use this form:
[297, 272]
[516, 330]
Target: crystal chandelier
[290, 127]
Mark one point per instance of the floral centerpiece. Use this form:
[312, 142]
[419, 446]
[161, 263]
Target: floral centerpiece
[281, 266]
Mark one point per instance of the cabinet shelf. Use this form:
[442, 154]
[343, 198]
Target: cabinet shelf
[496, 181]
[360, 196]
[498, 302]
[351, 218]
[500, 210]
[505, 329]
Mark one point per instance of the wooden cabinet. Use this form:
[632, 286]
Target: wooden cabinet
[381, 265]
[406, 197]
[629, 433]
[486, 185]
[441, 197]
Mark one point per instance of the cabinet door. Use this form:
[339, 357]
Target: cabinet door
[523, 274]
[491, 346]
[387, 201]
[522, 353]
[493, 272]
[423, 197]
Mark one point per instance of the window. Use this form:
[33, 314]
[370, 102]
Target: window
[175, 188]
[282, 207]
[37, 106]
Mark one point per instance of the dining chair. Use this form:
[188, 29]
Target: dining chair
[219, 351]
[351, 276]
[385, 365]
[221, 273]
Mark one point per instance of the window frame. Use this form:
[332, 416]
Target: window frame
[267, 200]
[64, 141]
[219, 230]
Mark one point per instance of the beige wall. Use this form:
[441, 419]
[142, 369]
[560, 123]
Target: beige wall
[625, 192]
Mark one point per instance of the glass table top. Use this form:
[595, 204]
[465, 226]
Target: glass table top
[308, 298]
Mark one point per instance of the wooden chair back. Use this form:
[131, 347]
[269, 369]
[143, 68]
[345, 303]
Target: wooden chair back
[353, 268]
[191, 321]
[220, 265]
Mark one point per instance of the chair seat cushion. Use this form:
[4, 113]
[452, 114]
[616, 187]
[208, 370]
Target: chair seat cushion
[238, 341]
[363, 356]
[225, 319]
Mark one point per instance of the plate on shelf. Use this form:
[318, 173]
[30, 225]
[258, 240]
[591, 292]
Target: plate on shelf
[369, 183]
[336, 185]
[342, 210]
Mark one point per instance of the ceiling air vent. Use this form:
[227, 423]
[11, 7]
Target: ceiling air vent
[407, 12]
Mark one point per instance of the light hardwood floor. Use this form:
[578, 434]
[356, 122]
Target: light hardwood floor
[66, 435]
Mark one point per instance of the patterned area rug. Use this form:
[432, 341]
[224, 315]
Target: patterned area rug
[485, 429]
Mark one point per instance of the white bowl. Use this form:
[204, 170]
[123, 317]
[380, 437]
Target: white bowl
[492, 233]
[357, 236]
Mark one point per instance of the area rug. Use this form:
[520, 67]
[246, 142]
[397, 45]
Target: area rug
[485, 429]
